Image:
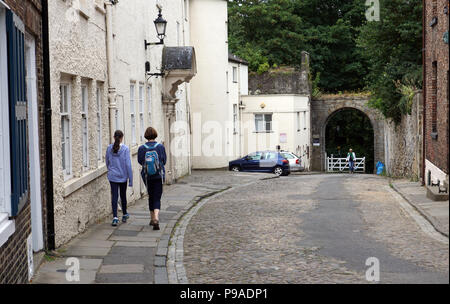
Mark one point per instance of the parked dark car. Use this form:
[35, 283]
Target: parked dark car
[262, 161]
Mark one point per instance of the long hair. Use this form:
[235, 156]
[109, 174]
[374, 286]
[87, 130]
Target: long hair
[118, 135]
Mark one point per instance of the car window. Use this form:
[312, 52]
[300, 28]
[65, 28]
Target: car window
[255, 156]
[288, 155]
[271, 155]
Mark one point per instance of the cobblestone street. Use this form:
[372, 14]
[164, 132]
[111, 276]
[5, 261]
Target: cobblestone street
[312, 229]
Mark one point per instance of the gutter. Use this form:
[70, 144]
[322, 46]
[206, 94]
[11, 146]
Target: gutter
[50, 218]
[424, 91]
[109, 61]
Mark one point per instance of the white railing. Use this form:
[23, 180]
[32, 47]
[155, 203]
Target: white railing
[333, 164]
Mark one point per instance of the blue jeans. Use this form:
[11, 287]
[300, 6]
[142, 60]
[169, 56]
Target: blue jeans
[115, 187]
[351, 165]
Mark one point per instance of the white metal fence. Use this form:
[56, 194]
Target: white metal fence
[333, 164]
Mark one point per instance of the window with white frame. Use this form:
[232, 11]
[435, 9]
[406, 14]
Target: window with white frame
[141, 112]
[84, 125]
[235, 118]
[299, 126]
[149, 105]
[99, 95]
[178, 34]
[304, 120]
[263, 122]
[235, 78]
[5, 160]
[66, 138]
[133, 115]
[228, 87]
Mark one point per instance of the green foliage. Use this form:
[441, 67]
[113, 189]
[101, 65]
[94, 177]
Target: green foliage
[347, 52]
[316, 91]
[277, 31]
[392, 48]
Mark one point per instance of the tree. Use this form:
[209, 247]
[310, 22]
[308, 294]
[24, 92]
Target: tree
[268, 32]
[392, 48]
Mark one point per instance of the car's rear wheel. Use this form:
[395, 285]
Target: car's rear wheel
[278, 171]
[235, 168]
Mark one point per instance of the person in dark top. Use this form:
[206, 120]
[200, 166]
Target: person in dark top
[154, 182]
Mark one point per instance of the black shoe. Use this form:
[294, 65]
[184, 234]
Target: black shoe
[156, 225]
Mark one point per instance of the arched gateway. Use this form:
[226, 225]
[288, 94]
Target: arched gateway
[322, 109]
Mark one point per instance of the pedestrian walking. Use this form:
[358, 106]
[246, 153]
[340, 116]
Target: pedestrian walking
[118, 162]
[152, 157]
[351, 157]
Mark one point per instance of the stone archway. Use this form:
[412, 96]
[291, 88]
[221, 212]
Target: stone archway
[324, 108]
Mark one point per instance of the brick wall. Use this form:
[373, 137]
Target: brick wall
[13, 254]
[436, 102]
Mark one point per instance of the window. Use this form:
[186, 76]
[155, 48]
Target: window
[185, 10]
[5, 157]
[149, 105]
[270, 155]
[99, 124]
[235, 118]
[235, 80]
[255, 156]
[228, 89]
[133, 115]
[66, 140]
[263, 122]
[141, 112]
[434, 92]
[84, 125]
[304, 120]
[178, 33]
[299, 126]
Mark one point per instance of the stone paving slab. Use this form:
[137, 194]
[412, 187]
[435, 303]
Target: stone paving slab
[124, 268]
[133, 252]
[437, 213]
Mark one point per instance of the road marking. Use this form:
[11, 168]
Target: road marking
[423, 223]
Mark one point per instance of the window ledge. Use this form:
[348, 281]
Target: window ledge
[7, 228]
[77, 183]
[263, 131]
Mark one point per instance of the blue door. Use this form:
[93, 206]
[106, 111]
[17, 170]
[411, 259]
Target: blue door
[252, 162]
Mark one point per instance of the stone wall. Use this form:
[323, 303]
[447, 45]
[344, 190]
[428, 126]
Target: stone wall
[323, 108]
[403, 143]
[282, 81]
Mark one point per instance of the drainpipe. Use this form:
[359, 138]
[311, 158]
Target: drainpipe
[50, 218]
[424, 90]
[109, 60]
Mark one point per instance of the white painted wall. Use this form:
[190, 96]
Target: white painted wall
[78, 56]
[284, 109]
[209, 99]
[436, 173]
[133, 23]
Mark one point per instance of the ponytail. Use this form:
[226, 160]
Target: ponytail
[118, 135]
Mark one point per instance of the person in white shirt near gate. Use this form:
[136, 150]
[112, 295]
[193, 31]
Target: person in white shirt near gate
[351, 157]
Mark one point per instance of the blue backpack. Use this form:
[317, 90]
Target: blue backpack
[152, 164]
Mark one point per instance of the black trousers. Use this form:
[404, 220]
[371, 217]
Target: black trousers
[155, 190]
[115, 187]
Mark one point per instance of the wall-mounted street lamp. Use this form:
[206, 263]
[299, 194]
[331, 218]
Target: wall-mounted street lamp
[160, 25]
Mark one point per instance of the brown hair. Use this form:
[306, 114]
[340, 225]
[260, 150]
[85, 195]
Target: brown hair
[150, 133]
[118, 135]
